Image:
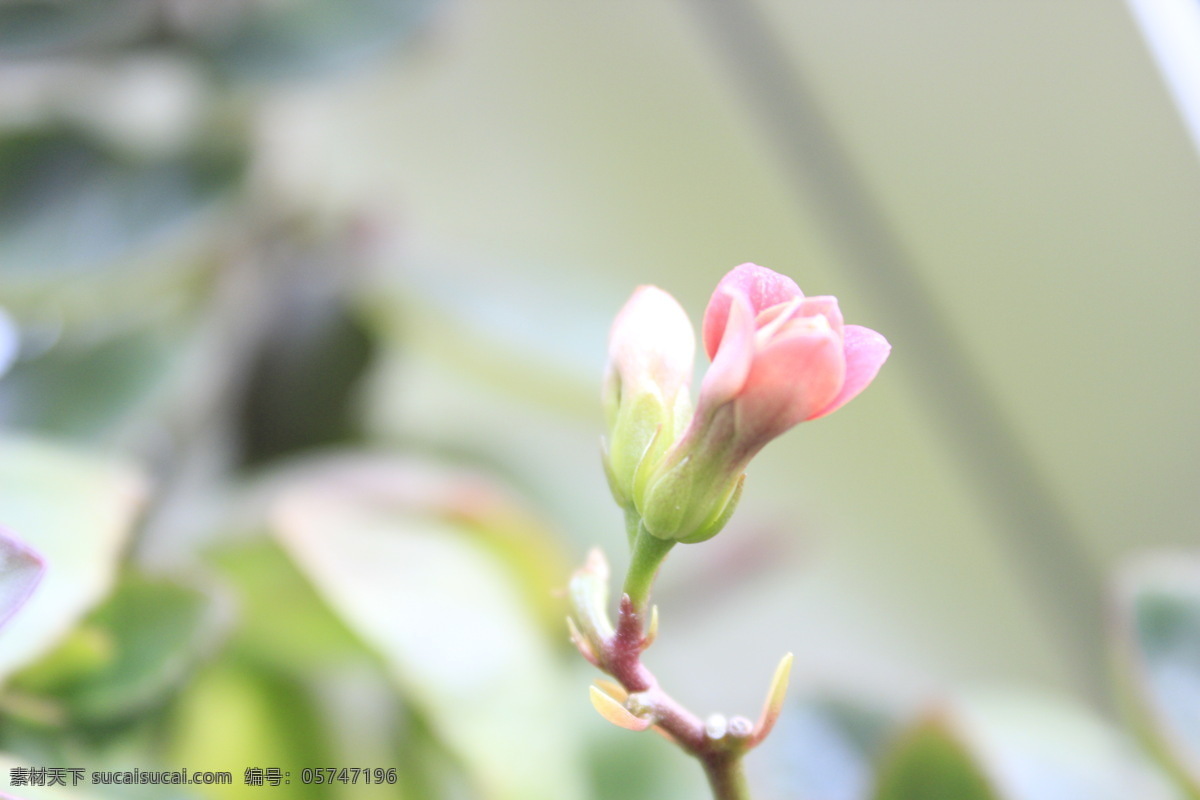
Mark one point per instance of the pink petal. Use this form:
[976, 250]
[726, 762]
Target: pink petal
[20, 570]
[865, 351]
[731, 365]
[827, 306]
[762, 287]
[651, 340]
[792, 376]
[776, 315]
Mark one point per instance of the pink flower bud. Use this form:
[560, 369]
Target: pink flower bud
[778, 358]
[651, 346]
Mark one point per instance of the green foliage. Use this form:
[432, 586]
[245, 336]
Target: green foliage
[1011, 746]
[236, 715]
[124, 659]
[119, 371]
[76, 511]
[930, 763]
[189, 321]
[451, 624]
[310, 636]
[70, 203]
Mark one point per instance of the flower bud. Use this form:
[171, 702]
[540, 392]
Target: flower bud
[651, 349]
[694, 490]
[778, 358]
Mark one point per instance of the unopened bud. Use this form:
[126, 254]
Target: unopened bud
[651, 350]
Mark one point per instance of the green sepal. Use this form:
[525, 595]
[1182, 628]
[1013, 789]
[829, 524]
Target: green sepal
[716, 522]
[646, 468]
[608, 474]
[638, 424]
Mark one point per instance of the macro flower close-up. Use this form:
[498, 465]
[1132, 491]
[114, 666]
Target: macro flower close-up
[778, 358]
[462, 400]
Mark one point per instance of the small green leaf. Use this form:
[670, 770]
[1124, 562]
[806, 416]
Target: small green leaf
[930, 762]
[615, 712]
[776, 695]
[1157, 645]
[588, 590]
[156, 631]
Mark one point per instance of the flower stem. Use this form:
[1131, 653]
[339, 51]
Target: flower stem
[726, 776]
[719, 745]
[648, 554]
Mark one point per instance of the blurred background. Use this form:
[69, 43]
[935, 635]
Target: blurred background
[303, 309]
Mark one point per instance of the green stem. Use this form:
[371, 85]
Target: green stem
[648, 554]
[726, 776]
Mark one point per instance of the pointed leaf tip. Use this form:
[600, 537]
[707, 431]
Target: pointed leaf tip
[613, 689]
[588, 592]
[775, 697]
[614, 712]
[581, 644]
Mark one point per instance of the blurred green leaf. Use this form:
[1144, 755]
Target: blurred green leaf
[77, 511]
[84, 651]
[156, 631]
[237, 715]
[1157, 645]
[39, 28]
[45, 394]
[69, 204]
[1018, 747]
[308, 636]
[304, 38]
[477, 506]
[622, 766]
[450, 621]
[20, 571]
[826, 747]
[931, 763]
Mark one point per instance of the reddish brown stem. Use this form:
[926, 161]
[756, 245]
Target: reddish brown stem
[720, 756]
